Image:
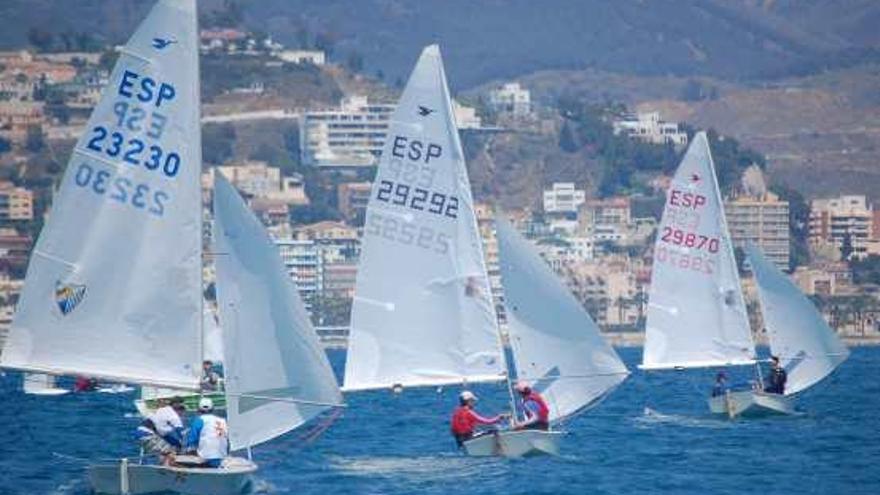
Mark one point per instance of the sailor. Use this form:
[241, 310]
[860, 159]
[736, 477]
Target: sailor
[208, 435]
[162, 432]
[537, 412]
[720, 387]
[210, 381]
[85, 384]
[465, 419]
[777, 378]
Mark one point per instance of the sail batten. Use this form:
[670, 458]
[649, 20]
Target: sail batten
[557, 347]
[277, 375]
[807, 347]
[114, 288]
[422, 293]
[696, 313]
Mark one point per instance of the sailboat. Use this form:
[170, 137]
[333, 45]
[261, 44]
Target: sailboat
[557, 348]
[808, 349]
[423, 313]
[696, 314]
[41, 384]
[114, 285]
[151, 397]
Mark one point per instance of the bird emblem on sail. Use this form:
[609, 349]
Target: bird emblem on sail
[68, 296]
[425, 111]
[162, 43]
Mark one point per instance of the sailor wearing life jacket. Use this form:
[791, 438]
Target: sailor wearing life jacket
[465, 419]
[537, 412]
[208, 435]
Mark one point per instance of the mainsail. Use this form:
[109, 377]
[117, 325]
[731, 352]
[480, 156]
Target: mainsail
[423, 312]
[113, 289]
[807, 347]
[556, 346]
[696, 313]
[277, 375]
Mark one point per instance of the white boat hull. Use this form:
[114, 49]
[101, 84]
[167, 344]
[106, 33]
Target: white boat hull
[232, 479]
[519, 443]
[48, 391]
[751, 403]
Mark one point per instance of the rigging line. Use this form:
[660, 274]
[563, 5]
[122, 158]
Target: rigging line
[288, 399]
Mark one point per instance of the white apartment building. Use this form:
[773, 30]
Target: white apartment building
[511, 99]
[299, 57]
[563, 197]
[648, 127]
[466, 117]
[303, 263]
[349, 136]
[832, 220]
[763, 221]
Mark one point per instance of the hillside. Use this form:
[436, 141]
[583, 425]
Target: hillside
[490, 39]
[820, 133]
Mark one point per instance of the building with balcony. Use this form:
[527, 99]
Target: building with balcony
[762, 221]
[349, 136]
[650, 128]
[511, 99]
[844, 219]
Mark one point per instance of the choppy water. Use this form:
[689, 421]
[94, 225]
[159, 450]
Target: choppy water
[652, 436]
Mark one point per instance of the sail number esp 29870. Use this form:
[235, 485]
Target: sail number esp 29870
[134, 139]
[681, 245]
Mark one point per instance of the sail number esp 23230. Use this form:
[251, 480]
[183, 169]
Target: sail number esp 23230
[134, 139]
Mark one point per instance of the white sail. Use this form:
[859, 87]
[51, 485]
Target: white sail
[556, 346]
[213, 335]
[41, 384]
[277, 375]
[807, 347]
[113, 289]
[696, 313]
[423, 313]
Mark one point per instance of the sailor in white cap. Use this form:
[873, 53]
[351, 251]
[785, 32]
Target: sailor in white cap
[208, 435]
[465, 419]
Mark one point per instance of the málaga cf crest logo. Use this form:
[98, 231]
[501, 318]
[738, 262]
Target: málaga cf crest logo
[68, 296]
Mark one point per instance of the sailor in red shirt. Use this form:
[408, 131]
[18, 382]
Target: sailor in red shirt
[537, 412]
[465, 419]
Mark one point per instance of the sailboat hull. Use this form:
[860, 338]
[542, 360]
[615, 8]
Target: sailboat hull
[522, 443]
[232, 479]
[749, 403]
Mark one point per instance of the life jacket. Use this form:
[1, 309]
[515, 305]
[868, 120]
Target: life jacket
[213, 439]
[543, 410]
[463, 421]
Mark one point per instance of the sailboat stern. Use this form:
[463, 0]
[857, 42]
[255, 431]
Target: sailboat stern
[514, 444]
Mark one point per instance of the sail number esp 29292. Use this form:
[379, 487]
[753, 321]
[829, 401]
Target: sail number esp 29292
[407, 187]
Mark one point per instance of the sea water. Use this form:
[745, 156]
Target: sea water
[653, 435]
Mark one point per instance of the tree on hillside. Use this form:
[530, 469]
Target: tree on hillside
[218, 143]
[41, 39]
[34, 141]
[567, 140]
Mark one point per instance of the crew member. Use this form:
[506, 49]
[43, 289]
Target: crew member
[208, 435]
[777, 378]
[162, 432]
[465, 419]
[720, 387]
[537, 412]
[210, 381]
